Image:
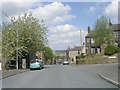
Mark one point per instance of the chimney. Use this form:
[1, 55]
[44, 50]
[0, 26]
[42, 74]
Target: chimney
[88, 29]
[74, 46]
[110, 22]
[83, 43]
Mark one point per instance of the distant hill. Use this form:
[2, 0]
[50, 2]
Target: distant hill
[60, 52]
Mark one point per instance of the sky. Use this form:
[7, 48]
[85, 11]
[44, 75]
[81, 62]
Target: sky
[63, 19]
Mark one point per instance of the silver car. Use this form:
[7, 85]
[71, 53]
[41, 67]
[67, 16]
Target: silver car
[65, 63]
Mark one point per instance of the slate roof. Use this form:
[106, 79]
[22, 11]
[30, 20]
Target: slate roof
[89, 34]
[76, 48]
[116, 27]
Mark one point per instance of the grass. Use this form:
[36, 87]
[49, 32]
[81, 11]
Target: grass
[96, 59]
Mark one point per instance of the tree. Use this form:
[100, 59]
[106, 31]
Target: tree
[102, 33]
[0, 44]
[25, 34]
[111, 49]
[48, 53]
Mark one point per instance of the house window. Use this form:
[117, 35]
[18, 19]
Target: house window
[116, 44]
[87, 40]
[98, 50]
[72, 59]
[92, 50]
[92, 41]
[78, 52]
[76, 57]
[116, 34]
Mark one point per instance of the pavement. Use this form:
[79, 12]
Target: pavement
[111, 74]
[8, 73]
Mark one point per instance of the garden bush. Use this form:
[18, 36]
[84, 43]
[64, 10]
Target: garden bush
[111, 49]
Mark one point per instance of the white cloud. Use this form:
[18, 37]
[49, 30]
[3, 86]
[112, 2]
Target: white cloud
[55, 12]
[16, 8]
[112, 10]
[65, 35]
[92, 9]
[62, 28]
[20, 0]
[60, 36]
[52, 13]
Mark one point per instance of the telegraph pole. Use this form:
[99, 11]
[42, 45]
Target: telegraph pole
[80, 37]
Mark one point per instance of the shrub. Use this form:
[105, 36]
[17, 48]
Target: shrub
[119, 50]
[82, 55]
[111, 49]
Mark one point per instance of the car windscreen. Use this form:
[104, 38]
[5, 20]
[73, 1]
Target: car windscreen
[34, 61]
[41, 61]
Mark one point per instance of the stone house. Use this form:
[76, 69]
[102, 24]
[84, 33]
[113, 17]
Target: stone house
[73, 53]
[91, 48]
[116, 33]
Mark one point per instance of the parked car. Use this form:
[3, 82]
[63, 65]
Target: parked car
[11, 64]
[65, 63]
[42, 63]
[36, 64]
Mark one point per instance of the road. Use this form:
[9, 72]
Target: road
[59, 76]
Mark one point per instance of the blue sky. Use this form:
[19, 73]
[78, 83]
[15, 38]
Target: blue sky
[84, 17]
[64, 19]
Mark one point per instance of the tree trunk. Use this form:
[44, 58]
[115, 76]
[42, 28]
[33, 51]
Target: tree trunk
[102, 47]
[4, 62]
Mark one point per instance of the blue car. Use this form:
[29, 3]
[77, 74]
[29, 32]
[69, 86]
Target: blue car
[42, 63]
[35, 64]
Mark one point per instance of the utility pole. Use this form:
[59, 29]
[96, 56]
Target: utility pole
[80, 37]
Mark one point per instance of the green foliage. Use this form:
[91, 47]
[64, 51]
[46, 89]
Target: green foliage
[102, 31]
[25, 33]
[82, 55]
[48, 53]
[111, 49]
[118, 49]
[58, 54]
[58, 57]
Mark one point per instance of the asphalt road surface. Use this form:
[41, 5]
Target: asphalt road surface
[59, 76]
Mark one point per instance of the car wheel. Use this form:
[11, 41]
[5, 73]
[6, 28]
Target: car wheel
[31, 69]
[40, 68]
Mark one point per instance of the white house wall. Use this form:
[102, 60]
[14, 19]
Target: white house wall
[84, 49]
[73, 54]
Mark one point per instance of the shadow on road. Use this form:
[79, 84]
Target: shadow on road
[39, 69]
